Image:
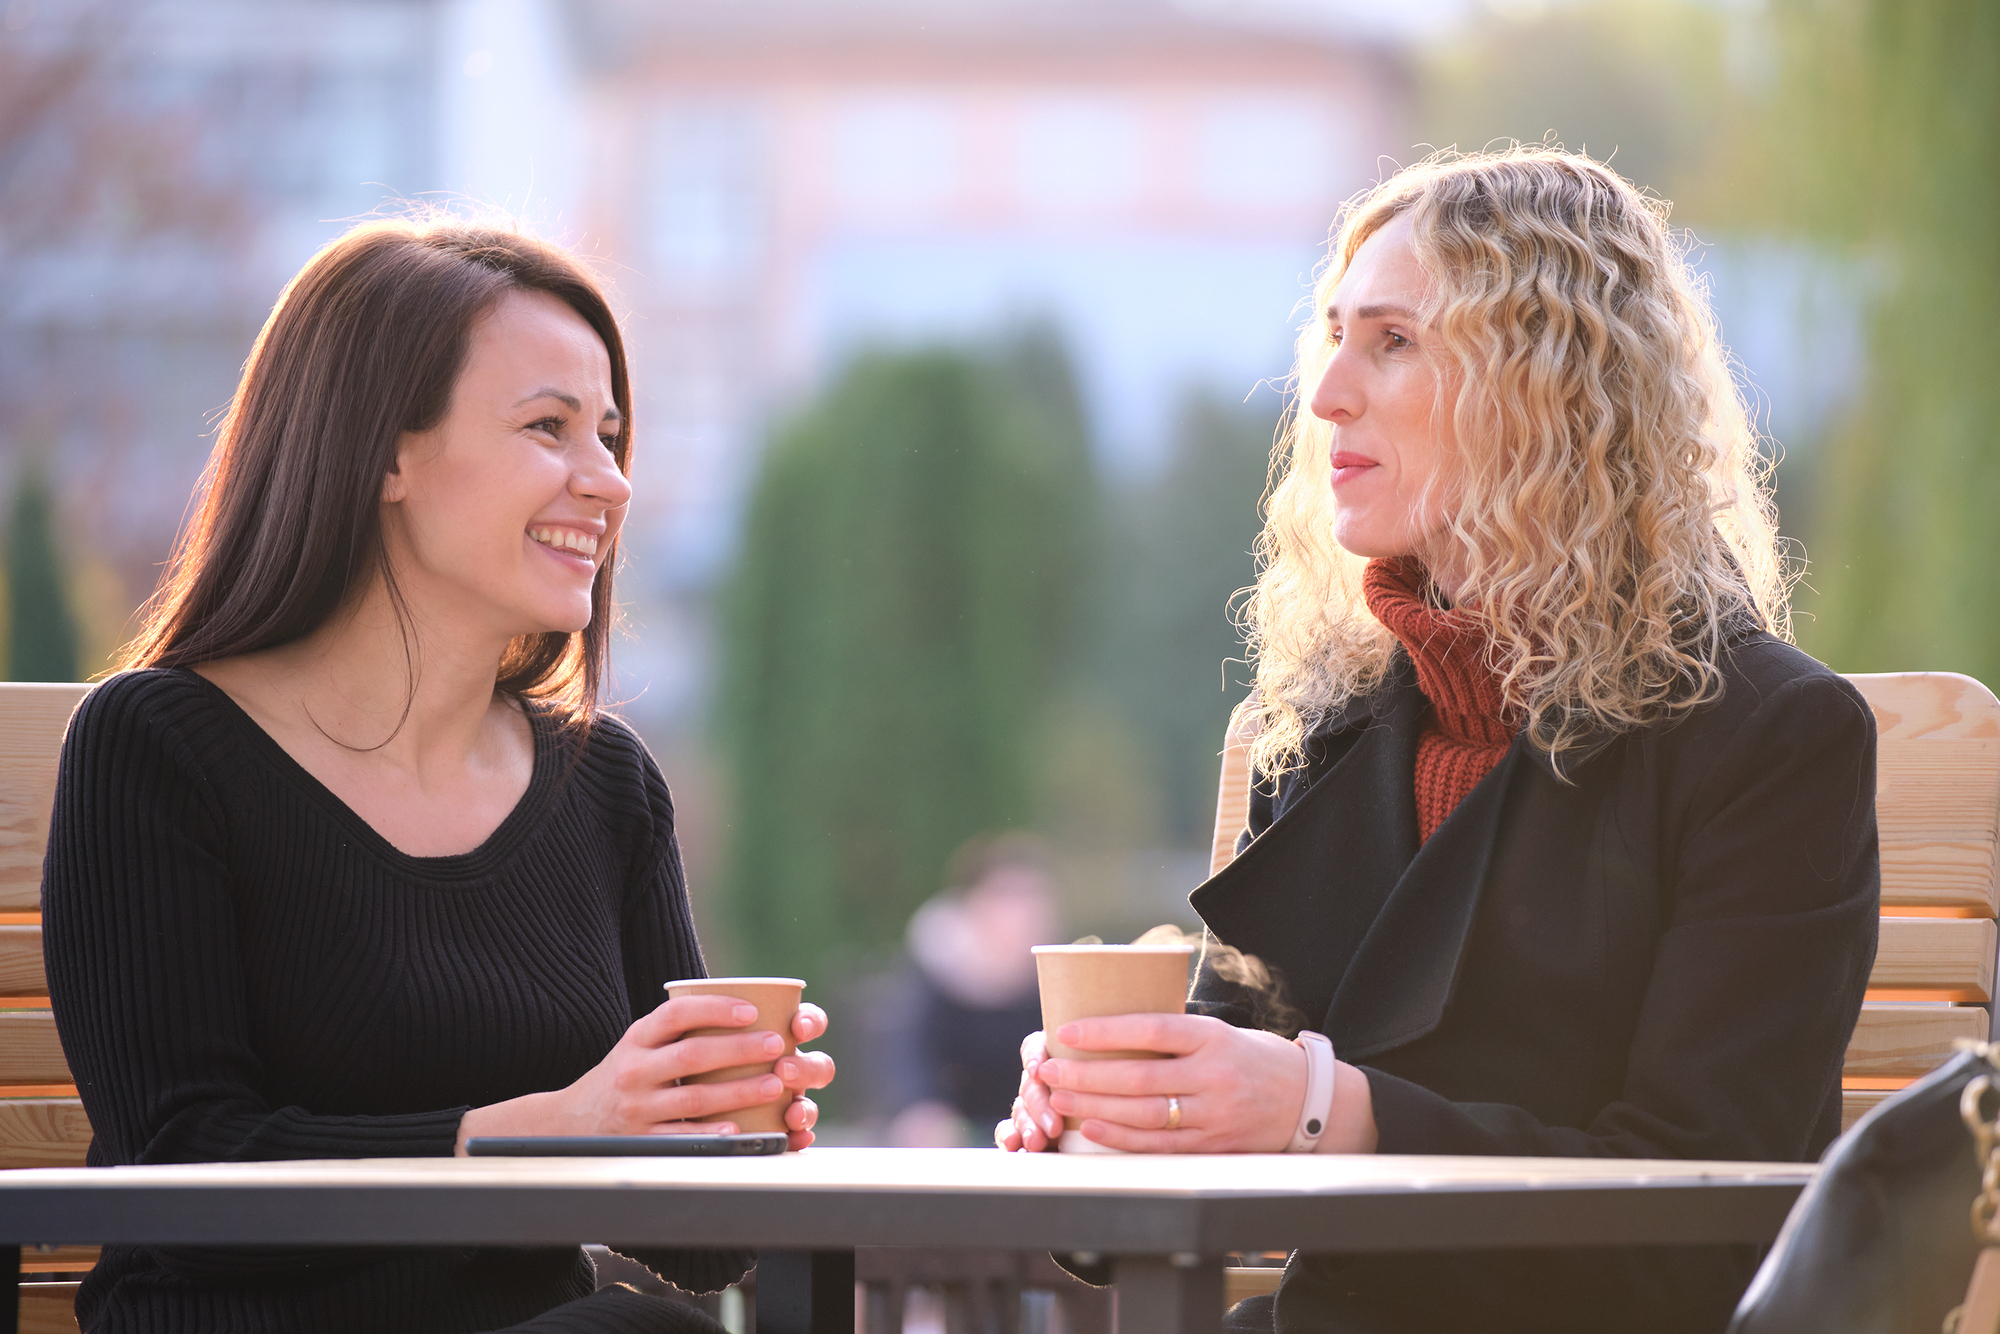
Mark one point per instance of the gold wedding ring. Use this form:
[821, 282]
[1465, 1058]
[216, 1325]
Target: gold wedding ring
[1173, 1113]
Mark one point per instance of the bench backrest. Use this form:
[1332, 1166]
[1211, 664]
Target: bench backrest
[1937, 803]
[41, 1121]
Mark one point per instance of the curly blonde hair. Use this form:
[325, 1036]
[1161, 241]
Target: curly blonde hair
[1607, 502]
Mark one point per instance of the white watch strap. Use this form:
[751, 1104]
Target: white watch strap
[1319, 1092]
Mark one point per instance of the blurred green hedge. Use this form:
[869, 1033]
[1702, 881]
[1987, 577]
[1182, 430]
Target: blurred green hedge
[1885, 144]
[906, 604]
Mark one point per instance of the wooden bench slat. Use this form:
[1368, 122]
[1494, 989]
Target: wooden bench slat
[1918, 874]
[1240, 1282]
[1950, 957]
[48, 1308]
[1857, 1103]
[34, 1131]
[1937, 776]
[1232, 801]
[21, 971]
[1939, 822]
[30, 1052]
[43, 1132]
[37, 716]
[57, 1259]
[1905, 1041]
[1916, 706]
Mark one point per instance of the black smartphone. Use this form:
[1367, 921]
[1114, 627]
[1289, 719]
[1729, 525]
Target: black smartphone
[623, 1146]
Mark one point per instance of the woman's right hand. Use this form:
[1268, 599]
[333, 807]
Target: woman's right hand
[1035, 1126]
[634, 1090]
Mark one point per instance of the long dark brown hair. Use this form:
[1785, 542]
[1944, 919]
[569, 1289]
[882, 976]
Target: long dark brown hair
[365, 344]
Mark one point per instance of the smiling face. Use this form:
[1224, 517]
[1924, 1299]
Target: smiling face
[499, 516]
[1379, 391]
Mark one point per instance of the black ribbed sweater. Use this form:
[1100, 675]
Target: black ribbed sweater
[242, 969]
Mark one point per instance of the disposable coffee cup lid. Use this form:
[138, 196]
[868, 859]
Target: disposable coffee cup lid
[763, 981]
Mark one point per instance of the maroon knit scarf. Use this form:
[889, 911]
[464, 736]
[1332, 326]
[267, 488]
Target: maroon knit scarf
[1469, 726]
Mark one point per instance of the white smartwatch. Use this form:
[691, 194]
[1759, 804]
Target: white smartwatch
[1319, 1092]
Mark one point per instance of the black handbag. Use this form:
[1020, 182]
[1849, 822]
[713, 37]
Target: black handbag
[1882, 1241]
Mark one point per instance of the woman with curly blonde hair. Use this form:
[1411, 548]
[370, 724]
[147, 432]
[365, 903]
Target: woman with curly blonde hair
[1554, 838]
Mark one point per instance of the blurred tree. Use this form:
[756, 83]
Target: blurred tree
[1647, 85]
[78, 157]
[1885, 139]
[1169, 655]
[904, 609]
[41, 631]
[103, 178]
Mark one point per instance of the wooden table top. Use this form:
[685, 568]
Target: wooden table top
[836, 1197]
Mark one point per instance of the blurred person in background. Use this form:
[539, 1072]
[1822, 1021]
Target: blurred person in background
[1554, 838]
[970, 994]
[349, 861]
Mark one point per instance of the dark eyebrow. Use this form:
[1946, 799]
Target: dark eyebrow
[1376, 313]
[569, 401]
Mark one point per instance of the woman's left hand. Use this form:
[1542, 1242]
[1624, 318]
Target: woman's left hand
[804, 1070]
[1239, 1089]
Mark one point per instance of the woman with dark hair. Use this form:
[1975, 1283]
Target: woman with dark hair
[347, 861]
[1558, 844]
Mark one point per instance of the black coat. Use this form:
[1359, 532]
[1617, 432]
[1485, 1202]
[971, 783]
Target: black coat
[1658, 954]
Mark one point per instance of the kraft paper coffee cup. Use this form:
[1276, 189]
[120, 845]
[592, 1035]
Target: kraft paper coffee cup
[777, 1002]
[1088, 981]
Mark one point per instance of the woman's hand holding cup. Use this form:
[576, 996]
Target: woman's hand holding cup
[778, 1008]
[1238, 1090]
[804, 1070]
[1081, 981]
[1034, 1126]
[637, 1088]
